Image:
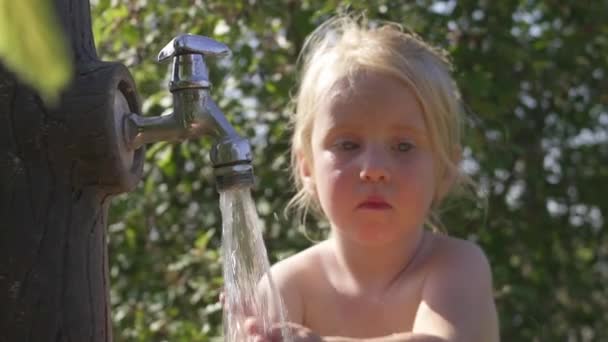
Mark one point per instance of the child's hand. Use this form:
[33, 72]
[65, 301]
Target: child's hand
[299, 333]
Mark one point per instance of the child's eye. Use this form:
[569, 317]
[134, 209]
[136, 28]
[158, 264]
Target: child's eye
[404, 146]
[347, 145]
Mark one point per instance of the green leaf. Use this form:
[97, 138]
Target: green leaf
[32, 46]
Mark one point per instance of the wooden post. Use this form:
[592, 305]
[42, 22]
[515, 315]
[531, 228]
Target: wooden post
[59, 168]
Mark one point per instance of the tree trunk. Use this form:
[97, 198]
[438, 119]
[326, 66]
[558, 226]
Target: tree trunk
[59, 167]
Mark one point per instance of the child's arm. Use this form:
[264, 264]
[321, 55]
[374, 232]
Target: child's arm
[457, 301]
[403, 337]
[287, 286]
[300, 333]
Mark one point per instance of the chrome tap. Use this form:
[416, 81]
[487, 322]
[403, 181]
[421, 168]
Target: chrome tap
[195, 113]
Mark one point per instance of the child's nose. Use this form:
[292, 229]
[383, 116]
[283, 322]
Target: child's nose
[374, 167]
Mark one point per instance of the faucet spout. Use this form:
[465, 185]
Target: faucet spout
[220, 127]
[231, 155]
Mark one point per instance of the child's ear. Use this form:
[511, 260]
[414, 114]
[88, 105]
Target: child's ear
[305, 171]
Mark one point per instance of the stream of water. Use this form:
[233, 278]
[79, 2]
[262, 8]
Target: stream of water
[246, 268]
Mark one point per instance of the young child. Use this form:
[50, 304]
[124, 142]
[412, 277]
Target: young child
[375, 150]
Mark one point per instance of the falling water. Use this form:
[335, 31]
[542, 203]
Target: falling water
[246, 268]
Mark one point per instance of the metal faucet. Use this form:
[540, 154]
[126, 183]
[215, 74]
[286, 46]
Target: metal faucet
[195, 113]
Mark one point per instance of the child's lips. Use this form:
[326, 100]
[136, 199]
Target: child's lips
[374, 204]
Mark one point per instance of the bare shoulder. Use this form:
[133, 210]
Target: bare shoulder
[302, 261]
[294, 274]
[457, 256]
[300, 268]
[457, 295]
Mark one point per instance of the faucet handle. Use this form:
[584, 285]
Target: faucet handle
[193, 44]
[189, 52]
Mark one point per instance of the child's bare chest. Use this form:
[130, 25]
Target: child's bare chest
[332, 314]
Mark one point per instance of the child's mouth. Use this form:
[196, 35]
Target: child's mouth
[375, 204]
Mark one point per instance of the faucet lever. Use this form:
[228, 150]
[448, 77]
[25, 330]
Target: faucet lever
[193, 44]
[188, 52]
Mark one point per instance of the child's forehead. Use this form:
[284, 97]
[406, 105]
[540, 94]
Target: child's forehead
[364, 83]
[370, 88]
[366, 100]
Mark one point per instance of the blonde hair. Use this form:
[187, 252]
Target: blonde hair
[346, 45]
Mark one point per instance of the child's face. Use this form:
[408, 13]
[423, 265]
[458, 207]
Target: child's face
[372, 167]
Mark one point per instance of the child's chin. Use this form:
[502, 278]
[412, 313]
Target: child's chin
[375, 237]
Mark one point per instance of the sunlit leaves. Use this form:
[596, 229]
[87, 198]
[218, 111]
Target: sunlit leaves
[32, 45]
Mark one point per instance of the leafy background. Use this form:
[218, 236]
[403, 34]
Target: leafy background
[533, 74]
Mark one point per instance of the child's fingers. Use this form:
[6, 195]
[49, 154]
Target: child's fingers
[255, 328]
[252, 326]
[296, 332]
[276, 332]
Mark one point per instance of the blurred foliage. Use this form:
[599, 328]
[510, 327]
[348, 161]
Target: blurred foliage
[534, 77]
[41, 60]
